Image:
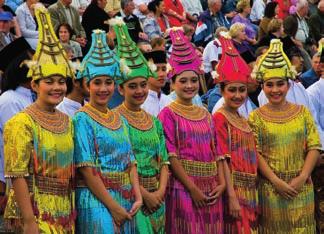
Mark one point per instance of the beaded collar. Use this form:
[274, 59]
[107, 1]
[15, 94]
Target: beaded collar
[55, 122]
[110, 120]
[140, 120]
[288, 112]
[191, 112]
[236, 120]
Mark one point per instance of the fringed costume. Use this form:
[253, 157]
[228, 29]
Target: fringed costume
[146, 132]
[235, 142]
[148, 144]
[102, 143]
[189, 135]
[38, 145]
[284, 136]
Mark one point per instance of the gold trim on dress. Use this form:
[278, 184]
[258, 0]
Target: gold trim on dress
[285, 114]
[191, 112]
[140, 120]
[110, 120]
[55, 122]
[236, 120]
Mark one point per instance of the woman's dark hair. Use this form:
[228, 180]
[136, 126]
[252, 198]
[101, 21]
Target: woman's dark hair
[222, 86]
[67, 26]
[152, 6]
[16, 72]
[270, 9]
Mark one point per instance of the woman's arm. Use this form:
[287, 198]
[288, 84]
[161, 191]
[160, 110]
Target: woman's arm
[281, 186]
[136, 188]
[199, 198]
[96, 186]
[24, 203]
[310, 162]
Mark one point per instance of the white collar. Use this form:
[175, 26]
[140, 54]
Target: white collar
[72, 103]
[24, 91]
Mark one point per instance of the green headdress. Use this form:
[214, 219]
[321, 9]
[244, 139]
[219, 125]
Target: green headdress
[132, 62]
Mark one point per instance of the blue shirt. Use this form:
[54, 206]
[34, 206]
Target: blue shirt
[308, 78]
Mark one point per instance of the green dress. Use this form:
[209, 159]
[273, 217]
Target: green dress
[148, 144]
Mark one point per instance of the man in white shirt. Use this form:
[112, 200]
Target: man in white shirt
[75, 96]
[257, 11]
[156, 100]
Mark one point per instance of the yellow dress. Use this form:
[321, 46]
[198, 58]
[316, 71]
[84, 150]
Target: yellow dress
[283, 139]
[39, 147]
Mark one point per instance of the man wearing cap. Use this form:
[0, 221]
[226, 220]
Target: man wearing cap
[6, 37]
[156, 100]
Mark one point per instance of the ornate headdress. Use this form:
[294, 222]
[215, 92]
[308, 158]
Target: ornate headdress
[132, 62]
[100, 60]
[274, 64]
[232, 67]
[50, 57]
[183, 56]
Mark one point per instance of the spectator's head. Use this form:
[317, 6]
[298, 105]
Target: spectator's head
[316, 63]
[302, 8]
[100, 3]
[156, 6]
[16, 72]
[271, 10]
[65, 2]
[158, 43]
[64, 32]
[237, 32]
[296, 60]
[214, 5]
[2, 3]
[321, 6]
[188, 31]
[5, 19]
[276, 26]
[69, 51]
[128, 6]
[243, 6]
[219, 30]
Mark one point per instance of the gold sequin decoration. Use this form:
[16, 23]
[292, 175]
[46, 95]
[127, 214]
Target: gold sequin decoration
[236, 120]
[140, 120]
[285, 114]
[55, 122]
[110, 120]
[191, 112]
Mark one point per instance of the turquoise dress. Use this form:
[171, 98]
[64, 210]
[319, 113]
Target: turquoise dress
[102, 142]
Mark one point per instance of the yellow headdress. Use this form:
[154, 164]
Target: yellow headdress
[274, 64]
[50, 57]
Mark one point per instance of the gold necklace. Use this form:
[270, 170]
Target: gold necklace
[279, 115]
[236, 120]
[140, 120]
[110, 120]
[191, 112]
[55, 122]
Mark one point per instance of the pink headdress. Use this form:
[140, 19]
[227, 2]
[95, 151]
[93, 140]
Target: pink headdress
[232, 67]
[183, 56]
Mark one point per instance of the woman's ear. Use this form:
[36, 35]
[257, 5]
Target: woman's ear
[34, 86]
[121, 90]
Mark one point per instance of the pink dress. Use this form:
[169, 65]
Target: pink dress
[190, 137]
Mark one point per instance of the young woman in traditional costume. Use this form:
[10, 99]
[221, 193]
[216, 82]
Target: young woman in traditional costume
[194, 193]
[38, 145]
[288, 144]
[107, 193]
[235, 142]
[146, 134]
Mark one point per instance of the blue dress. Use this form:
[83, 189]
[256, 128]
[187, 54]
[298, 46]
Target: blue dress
[102, 142]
